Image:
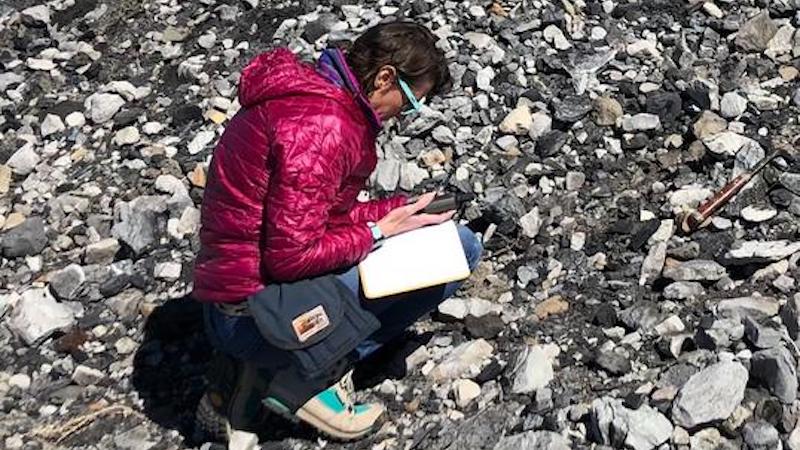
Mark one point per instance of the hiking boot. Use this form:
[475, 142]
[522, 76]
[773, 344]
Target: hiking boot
[232, 400]
[333, 411]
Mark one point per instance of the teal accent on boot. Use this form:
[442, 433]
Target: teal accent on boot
[330, 399]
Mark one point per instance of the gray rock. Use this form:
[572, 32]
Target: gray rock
[86, 376]
[755, 34]
[136, 221]
[67, 282]
[640, 429]
[572, 108]
[484, 78]
[534, 368]
[519, 121]
[710, 395]
[534, 440]
[755, 307]
[694, 270]
[101, 252]
[613, 362]
[641, 122]
[137, 438]
[763, 335]
[683, 290]
[37, 315]
[732, 105]
[721, 334]
[607, 111]
[761, 435]
[642, 316]
[411, 175]
[776, 369]
[26, 239]
[790, 316]
[575, 180]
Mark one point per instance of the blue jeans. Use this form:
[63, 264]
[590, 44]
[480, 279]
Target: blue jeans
[239, 337]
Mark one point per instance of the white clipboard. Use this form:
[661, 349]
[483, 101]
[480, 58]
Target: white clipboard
[422, 258]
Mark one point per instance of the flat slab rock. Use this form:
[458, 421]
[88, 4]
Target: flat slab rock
[37, 315]
[757, 251]
[710, 395]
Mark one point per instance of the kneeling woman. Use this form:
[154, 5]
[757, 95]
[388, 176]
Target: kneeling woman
[282, 231]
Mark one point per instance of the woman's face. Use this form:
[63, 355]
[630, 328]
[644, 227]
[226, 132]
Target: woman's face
[387, 97]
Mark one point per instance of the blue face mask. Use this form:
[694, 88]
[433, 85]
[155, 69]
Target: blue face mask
[414, 105]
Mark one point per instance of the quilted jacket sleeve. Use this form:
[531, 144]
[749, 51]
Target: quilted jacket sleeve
[375, 210]
[307, 170]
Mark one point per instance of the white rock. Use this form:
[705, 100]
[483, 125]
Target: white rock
[200, 141]
[459, 309]
[484, 78]
[465, 391]
[519, 121]
[755, 214]
[764, 250]
[732, 105]
[411, 175]
[653, 264]
[689, 197]
[86, 376]
[39, 13]
[713, 10]
[151, 128]
[75, 119]
[52, 124]
[644, 48]
[555, 36]
[127, 136]
[531, 223]
[534, 368]
[125, 345]
[726, 143]
[243, 440]
[40, 64]
[24, 160]
[101, 107]
[20, 381]
[541, 125]
[466, 359]
[169, 270]
[37, 315]
[641, 122]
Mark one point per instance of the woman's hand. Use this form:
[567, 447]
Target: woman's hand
[405, 218]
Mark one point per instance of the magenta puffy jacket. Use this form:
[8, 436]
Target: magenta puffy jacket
[280, 200]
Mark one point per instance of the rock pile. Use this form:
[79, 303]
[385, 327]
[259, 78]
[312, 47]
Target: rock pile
[583, 128]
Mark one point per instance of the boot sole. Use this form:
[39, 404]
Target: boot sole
[319, 424]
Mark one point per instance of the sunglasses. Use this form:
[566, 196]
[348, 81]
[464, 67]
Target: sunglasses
[414, 105]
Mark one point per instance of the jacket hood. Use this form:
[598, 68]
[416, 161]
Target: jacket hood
[279, 74]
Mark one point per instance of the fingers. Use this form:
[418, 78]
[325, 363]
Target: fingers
[423, 201]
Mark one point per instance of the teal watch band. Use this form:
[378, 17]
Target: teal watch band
[376, 231]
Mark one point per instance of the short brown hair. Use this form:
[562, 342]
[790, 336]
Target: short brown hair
[408, 47]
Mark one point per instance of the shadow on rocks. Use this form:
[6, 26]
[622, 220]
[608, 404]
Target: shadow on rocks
[169, 367]
[169, 374]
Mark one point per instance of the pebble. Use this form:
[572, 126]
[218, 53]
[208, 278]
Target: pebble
[24, 160]
[102, 107]
[125, 345]
[732, 105]
[694, 270]
[52, 124]
[755, 214]
[641, 122]
[20, 381]
[519, 121]
[465, 391]
[75, 119]
[608, 111]
[462, 360]
[127, 136]
[168, 271]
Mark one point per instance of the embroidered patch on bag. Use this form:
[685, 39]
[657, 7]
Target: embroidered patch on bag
[310, 323]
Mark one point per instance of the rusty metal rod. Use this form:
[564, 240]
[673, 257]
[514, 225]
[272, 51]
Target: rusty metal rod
[693, 220]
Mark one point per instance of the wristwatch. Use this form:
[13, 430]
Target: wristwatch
[377, 235]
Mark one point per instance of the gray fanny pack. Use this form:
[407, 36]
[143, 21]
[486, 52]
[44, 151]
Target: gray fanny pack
[316, 321]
